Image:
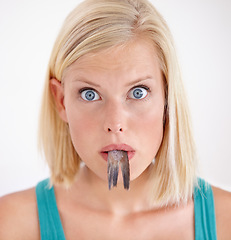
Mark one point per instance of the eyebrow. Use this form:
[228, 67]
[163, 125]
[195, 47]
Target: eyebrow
[139, 80]
[83, 80]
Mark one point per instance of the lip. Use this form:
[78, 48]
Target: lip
[122, 147]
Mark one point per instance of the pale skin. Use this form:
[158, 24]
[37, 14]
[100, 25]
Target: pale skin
[111, 114]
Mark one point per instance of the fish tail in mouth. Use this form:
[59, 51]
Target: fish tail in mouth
[124, 163]
[116, 157]
[112, 170]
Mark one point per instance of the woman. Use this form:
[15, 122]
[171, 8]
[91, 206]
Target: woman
[116, 133]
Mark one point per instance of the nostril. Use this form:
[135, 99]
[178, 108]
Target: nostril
[115, 130]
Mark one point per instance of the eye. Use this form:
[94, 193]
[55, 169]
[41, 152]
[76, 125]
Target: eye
[89, 95]
[138, 92]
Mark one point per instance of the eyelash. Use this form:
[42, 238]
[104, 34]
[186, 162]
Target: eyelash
[86, 88]
[142, 86]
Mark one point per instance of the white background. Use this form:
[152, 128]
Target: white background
[202, 32]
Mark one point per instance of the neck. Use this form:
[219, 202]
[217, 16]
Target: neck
[118, 201]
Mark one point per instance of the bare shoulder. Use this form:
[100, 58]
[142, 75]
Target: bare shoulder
[18, 216]
[222, 200]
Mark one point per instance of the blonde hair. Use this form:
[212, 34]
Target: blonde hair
[100, 24]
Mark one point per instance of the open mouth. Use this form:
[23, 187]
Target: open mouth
[119, 147]
[129, 153]
[118, 155]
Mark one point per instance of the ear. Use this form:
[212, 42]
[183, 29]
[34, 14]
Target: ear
[57, 91]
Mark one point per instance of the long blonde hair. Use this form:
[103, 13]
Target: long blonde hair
[99, 24]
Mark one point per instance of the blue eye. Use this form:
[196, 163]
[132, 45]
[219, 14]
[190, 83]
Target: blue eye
[89, 95]
[138, 93]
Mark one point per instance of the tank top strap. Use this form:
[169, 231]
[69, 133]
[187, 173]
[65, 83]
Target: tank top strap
[49, 219]
[204, 211]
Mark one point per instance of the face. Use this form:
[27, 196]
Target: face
[114, 99]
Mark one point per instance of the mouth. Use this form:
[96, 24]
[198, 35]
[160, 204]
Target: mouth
[120, 147]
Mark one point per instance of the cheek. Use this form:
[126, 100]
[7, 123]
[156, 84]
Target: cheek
[151, 130]
[82, 127]
[79, 119]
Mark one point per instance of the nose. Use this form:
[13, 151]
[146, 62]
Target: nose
[114, 118]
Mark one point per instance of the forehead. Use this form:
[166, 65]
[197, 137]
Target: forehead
[136, 56]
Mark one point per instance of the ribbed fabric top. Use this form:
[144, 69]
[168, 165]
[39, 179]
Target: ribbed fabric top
[49, 220]
[204, 212]
[51, 226]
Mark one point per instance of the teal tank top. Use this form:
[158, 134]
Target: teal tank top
[204, 212]
[49, 220]
[51, 226]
